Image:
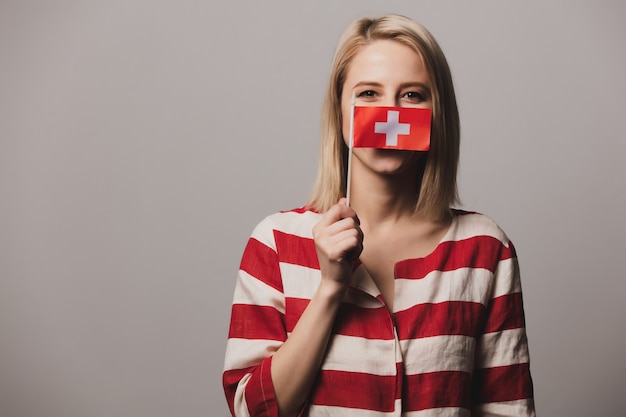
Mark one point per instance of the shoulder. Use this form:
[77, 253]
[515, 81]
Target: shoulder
[298, 222]
[471, 224]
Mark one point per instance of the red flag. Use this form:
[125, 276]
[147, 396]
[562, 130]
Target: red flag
[405, 128]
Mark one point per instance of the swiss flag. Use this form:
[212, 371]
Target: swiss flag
[405, 128]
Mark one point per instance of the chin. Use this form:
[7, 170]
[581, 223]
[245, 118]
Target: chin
[388, 161]
[392, 168]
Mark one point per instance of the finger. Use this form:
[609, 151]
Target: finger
[327, 241]
[331, 216]
[345, 212]
[341, 225]
[336, 213]
[345, 246]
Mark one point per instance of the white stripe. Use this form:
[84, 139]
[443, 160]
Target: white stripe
[293, 223]
[330, 411]
[471, 225]
[242, 353]
[438, 353]
[299, 281]
[463, 227]
[302, 282]
[464, 284]
[264, 233]
[508, 347]
[240, 405]
[507, 278]
[517, 408]
[439, 412]
[252, 291]
[357, 354]
[333, 411]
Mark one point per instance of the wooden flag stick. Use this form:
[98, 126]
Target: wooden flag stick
[350, 146]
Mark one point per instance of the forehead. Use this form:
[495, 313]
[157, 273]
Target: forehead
[387, 60]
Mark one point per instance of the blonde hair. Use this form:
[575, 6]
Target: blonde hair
[438, 189]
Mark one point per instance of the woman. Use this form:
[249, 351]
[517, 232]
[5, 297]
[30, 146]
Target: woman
[410, 306]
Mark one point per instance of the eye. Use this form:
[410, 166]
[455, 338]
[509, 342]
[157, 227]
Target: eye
[367, 94]
[416, 96]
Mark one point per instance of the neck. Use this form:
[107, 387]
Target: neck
[384, 199]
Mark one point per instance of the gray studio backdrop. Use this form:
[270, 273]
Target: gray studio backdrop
[141, 141]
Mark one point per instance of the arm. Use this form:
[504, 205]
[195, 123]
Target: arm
[502, 382]
[266, 373]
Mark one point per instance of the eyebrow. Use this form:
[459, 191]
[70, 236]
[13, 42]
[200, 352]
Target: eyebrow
[403, 85]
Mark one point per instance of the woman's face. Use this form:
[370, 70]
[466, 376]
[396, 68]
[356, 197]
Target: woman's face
[385, 73]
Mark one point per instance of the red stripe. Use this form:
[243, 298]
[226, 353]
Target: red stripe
[297, 250]
[423, 320]
[355, 390]
[446, 318]
[503, 383]
[505, 312]
[300, 210]
[261, 262]
[256, 322]
[401, 380]
[230, 380]
[259, 394]
[476, 252]
[437, 389]
[294, 308]
[370, 323]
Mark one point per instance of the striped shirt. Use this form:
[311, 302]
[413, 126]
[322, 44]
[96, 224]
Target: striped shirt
[454, 344]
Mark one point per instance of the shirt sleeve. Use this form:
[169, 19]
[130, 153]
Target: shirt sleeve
[502, 385]
[257, 329]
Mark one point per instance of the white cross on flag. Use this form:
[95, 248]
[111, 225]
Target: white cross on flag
[405, 128]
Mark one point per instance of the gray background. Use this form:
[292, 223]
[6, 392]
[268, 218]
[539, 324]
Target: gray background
[141, 141]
